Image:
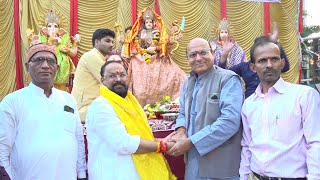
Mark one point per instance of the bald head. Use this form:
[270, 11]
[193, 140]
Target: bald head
[114, 58]
[199, 54]
[196, 42]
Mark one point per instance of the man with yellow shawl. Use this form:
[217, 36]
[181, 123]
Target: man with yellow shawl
[120, 141]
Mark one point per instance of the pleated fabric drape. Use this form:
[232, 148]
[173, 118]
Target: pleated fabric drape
[7, 53]
[246, 18]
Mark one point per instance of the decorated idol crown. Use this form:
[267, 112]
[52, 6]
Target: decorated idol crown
[148, 14]
[52, 18]
[224, 25]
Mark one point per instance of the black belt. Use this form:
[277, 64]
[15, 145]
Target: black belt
[275, 178]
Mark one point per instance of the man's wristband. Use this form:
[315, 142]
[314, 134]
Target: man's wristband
[162, 147]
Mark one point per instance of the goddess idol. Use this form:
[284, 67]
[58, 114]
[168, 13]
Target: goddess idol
[152, 71]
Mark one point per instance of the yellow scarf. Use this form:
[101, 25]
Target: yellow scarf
[149, 165]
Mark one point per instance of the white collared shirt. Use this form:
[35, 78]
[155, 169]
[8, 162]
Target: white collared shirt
[109, 144]
[38, 138]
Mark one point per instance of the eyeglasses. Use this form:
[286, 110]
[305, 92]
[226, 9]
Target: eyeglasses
[40, 60]
[202, 53]
[115, 76]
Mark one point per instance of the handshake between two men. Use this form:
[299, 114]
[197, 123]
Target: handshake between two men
[177, 142]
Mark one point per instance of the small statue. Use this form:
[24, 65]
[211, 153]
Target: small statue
[121, 37]
[225, 45]
[176, 35]
[66, 46]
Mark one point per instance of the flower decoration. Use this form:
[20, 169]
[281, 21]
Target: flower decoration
[143, 52]
[147, 57]
[151, 108]
[156, 36]
[166, 99]
[163, 106]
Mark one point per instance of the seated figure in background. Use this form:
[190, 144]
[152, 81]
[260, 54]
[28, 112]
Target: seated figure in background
[251, 78]
[232, 53]
[122, 36]
[152, 71]
[65, 46]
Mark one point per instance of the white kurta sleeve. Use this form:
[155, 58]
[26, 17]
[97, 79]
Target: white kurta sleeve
[103, 120]
[7, 131]
[81, 161]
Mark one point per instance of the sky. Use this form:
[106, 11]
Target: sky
[311, 7]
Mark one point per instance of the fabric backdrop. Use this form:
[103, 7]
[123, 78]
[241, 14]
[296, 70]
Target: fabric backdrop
[246, 20]
[7, 60]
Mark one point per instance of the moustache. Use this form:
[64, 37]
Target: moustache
[269, 71]
[119, 83]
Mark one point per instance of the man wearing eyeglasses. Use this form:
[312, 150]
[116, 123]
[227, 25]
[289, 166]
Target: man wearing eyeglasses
[208, 126]
[40, 130]
[120, 140]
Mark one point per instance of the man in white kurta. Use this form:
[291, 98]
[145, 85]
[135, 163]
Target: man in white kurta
[120, 142]
[40, 130]
[110, 146]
